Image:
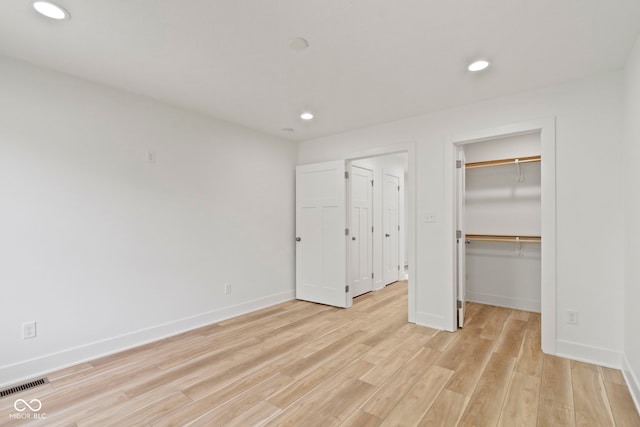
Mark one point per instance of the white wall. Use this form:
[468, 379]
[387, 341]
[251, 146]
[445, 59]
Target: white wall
[106, 251]
[632, 227]
[589, 197]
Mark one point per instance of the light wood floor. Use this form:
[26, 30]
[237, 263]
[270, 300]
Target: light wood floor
[302, 364]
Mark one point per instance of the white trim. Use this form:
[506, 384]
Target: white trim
[28, 369]
[632, 381]
[589, 354]
[547, 129]
[434, 321]
[525, 304]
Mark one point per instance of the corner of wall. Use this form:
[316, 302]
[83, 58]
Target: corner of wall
[633, 383]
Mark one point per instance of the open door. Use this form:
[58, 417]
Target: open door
[460, 236]
[391, 227]
[321, 234]
[361, 230]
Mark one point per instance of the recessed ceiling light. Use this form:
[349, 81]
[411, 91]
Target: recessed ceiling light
[298, 43]
[51, 10]
[306, 116]
[478, 65]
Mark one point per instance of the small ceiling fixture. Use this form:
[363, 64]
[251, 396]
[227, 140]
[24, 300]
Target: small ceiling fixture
[298, 43]
[478, 65]
[287, 130]
[51, 10]
[306, 116]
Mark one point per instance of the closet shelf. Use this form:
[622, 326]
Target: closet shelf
[502, 238]
[500, 162]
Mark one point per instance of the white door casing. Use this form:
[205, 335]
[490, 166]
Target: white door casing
[361, 239]
[390, 227]
[547, 129]
[321, 241]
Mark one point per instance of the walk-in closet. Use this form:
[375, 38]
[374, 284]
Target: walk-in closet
[502, 221]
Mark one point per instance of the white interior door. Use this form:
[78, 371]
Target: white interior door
[361, 243]
[390, 227]
[460, 236]
[321, 241]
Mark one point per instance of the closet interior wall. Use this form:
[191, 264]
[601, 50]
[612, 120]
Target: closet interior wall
[503, 200]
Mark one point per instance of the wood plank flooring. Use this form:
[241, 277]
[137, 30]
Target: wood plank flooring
[303, 364]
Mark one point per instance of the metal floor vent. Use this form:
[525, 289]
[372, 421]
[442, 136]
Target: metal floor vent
[26, 386]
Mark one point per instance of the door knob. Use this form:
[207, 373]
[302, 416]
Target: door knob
[298, 239]
[353, 238]
[387, 235]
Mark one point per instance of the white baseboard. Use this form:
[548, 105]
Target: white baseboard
[29, 369]
[502, 301]
[632, 381]
[430, 320]
[589, 354]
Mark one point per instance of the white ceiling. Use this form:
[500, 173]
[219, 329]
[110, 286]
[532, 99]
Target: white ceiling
[369, 61]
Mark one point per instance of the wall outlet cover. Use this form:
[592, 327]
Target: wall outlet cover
[28, 330]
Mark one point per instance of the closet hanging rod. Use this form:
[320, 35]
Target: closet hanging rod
[499, 162]
[502, 238]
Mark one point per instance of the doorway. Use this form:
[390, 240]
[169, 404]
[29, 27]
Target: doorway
[320, 203]
[546, 129]
[498, 221]
[387, 230]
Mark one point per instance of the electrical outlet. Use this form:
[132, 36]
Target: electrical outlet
[227, 288]
[572, 317]
[28, 330]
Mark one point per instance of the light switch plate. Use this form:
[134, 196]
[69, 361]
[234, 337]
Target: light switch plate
[429, 217]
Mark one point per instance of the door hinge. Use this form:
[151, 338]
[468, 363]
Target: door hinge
[346, 231]
[398, 188]
[398, 228]
[458, 234]
[346, 289]
[372, 183]
[372, 275]
[459, 304]
[398, 268]
[346, 175]
[372, 228]
[458, 164]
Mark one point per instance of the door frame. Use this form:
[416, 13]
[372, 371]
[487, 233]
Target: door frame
[410, 204]
[547, 129]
